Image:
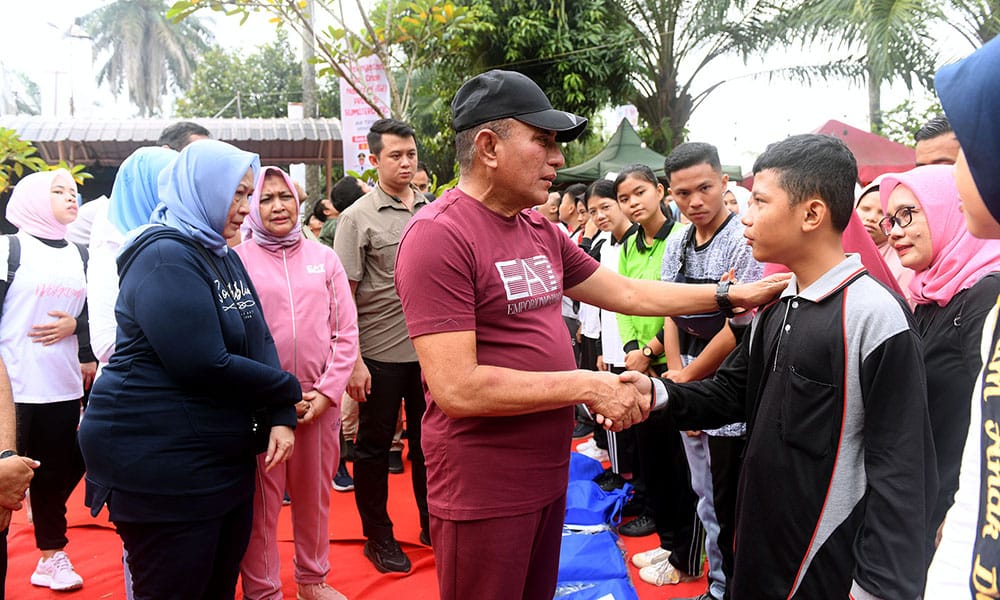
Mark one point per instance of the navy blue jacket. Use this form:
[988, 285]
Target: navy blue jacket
[167, 433]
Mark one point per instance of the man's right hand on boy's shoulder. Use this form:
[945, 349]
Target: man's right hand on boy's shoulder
[758, 293]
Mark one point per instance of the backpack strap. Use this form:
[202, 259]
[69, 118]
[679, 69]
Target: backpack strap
[13, 262]
[13, 256]
[84, 255]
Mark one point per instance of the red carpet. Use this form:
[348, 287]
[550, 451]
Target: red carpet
[95, 550]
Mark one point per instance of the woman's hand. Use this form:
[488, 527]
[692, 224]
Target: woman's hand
[88, 371]
[50, 333]
[315, 405]
[279, 446]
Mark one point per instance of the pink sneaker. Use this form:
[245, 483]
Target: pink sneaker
[318, 591]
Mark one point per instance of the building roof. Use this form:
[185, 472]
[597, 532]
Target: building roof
[107, 142]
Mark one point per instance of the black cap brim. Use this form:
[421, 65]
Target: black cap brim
[567, 126]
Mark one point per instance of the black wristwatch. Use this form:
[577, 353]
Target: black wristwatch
[722, 298]
[648, 352]
[7, 454]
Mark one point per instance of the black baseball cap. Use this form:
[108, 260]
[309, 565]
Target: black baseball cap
[500, 94]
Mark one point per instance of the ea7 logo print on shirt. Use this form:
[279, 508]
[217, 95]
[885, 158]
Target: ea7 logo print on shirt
[529, 282]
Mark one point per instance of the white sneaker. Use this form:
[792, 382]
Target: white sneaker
[664, 573]
[589, 448]
[650, 557]
[56, 573]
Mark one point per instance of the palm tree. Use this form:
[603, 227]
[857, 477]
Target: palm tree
[676, 41]
[892, 34]
[148, 52]
[978, 20]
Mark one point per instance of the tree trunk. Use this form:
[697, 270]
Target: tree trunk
[875, 101]
[314, 182]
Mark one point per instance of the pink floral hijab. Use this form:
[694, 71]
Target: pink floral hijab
[30, 206]
[958, 260]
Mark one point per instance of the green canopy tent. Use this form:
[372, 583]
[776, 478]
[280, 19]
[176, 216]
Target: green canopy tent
[623, 149]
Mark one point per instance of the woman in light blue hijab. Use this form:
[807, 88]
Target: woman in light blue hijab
[136, 190]
[133, 197]
[192, 187]
[194, 390]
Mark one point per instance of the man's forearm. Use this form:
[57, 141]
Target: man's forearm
[8, 427]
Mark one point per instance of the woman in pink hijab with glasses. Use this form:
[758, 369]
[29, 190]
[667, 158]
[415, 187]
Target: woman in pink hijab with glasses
[955, 284]
[310, 311]
[43, 311]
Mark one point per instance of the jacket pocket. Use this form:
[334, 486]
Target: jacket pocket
[809, 415]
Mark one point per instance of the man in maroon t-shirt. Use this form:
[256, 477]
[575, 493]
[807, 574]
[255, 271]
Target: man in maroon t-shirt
[481, 280]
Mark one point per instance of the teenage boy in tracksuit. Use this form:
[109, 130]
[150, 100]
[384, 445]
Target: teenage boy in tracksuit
[838, 475]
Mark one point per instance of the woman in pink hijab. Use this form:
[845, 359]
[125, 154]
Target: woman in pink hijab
[310, 312]
[956, 283]
[42, 313]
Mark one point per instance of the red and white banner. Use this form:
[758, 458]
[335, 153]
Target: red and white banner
[356, 115]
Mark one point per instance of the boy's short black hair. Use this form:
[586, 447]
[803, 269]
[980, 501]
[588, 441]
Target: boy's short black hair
[390, 126]
[812, 165]
[576, 190]
[179, 134]
[690, 154]
[345, 193]
[318, 211]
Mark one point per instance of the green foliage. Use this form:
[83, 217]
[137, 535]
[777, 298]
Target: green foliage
[22, 95]
[18, 157]
[977, 20]
[891, 35]
[578, 51]
[265, 81]
[675, 40]
[902, 121]
[146, 51]
[405, 36]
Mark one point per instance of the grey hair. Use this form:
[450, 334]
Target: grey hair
[465, 140]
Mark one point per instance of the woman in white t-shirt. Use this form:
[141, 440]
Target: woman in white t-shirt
[38, 341]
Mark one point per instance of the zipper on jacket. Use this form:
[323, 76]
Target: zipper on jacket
[291, 304]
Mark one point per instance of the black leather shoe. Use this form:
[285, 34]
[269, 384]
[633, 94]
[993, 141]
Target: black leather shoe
[387, 556]
[640, 526]
[425, 538]
[396, 461]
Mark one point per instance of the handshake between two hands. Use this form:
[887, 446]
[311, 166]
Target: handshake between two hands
[621, 401]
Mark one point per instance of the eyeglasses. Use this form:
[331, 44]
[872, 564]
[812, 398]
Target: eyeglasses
[902, 217]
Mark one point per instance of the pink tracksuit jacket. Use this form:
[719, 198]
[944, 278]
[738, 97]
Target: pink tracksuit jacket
[307, 302]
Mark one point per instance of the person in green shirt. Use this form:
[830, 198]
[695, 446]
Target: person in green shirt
[664, 482]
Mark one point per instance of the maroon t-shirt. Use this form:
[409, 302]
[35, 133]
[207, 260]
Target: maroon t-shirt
[463, 267]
